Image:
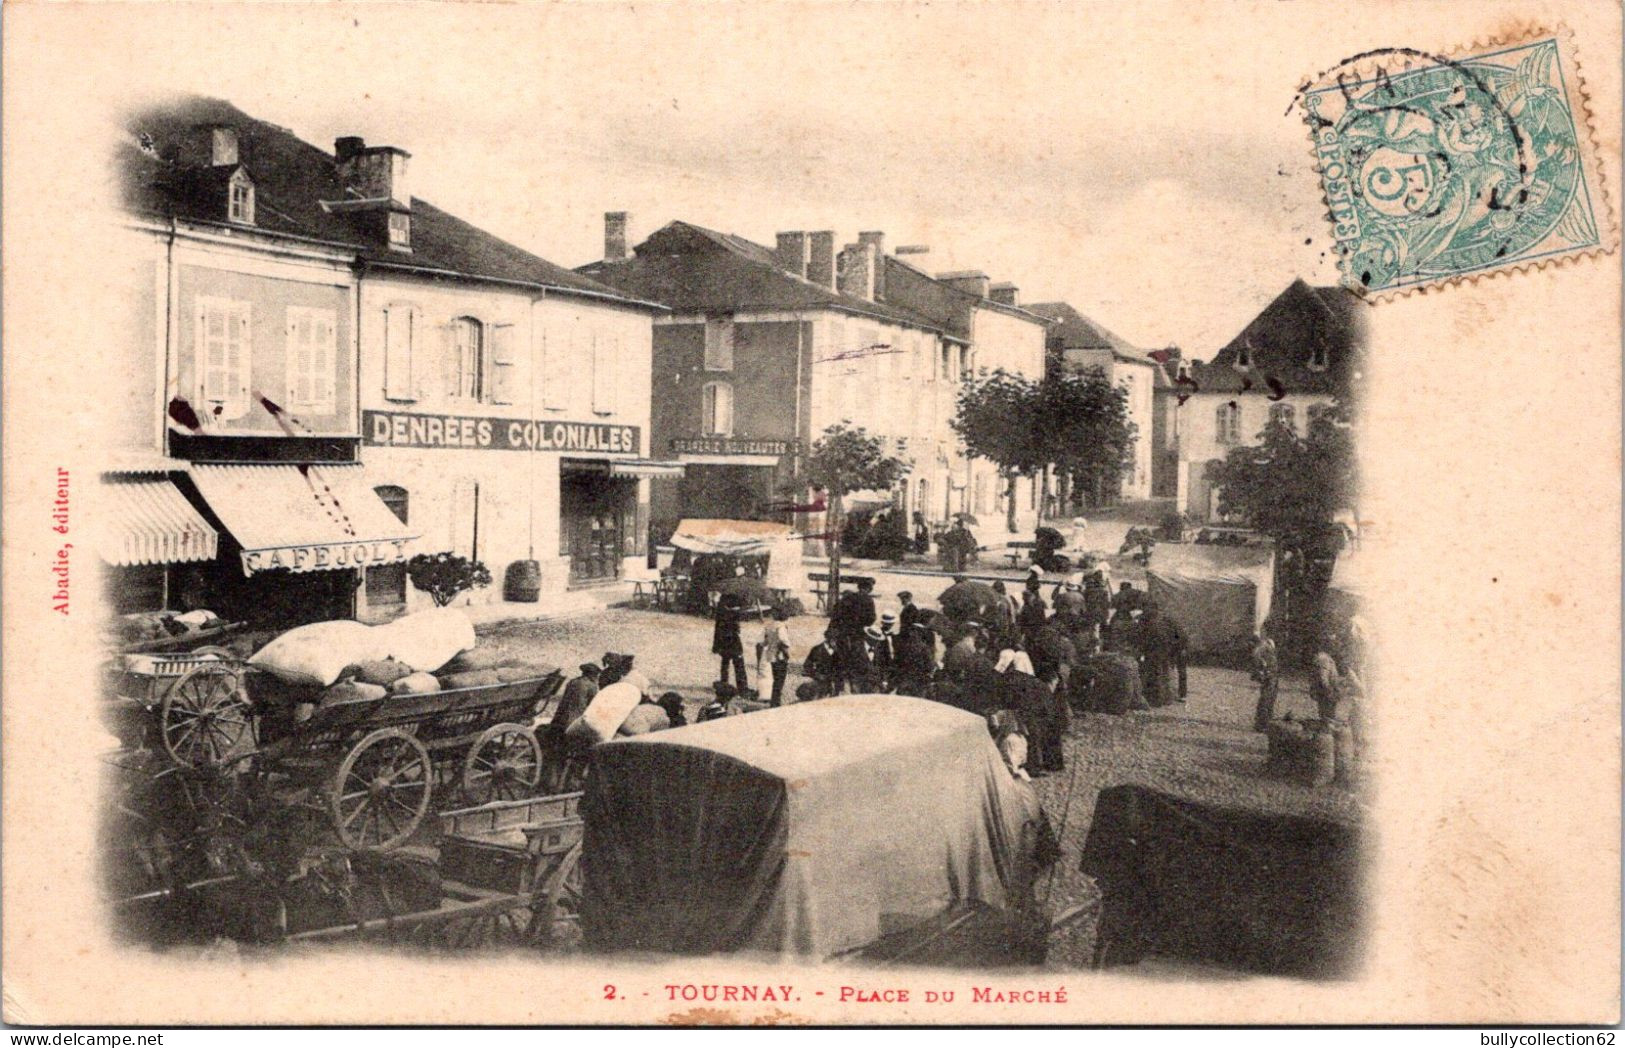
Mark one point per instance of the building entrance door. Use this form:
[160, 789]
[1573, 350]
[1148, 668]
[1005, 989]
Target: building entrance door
[594, 518]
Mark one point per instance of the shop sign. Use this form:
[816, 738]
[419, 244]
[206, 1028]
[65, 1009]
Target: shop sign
[732, 446]
[325, 556]
[399, 429]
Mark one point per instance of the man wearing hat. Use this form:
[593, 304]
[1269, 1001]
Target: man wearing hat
[885, 653]
[821, 665]
[859, 667]
[910, 614]
[578, 694]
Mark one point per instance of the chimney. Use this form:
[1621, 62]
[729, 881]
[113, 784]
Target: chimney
[373, 172]
[877, 240]
[857, 271]
[792, 252]
[821, 258]
[971, 281]
[615, 235]
[1005, 294]
[222, 143]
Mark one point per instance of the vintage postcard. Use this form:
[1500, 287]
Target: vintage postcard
[807, 514]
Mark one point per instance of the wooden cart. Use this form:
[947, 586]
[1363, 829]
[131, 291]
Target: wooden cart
[373, 764]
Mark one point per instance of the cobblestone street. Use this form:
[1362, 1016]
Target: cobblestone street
[1203, 748]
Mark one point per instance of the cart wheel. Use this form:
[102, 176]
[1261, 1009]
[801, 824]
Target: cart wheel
[555, 921]
[379, 794]
[504, 764]
[205, 718]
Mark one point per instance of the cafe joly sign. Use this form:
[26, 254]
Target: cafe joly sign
[391, 429]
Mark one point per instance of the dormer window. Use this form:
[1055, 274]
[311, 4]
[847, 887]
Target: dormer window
[240, 202]
[1244, 356]
[400, 231]
[1318, 360]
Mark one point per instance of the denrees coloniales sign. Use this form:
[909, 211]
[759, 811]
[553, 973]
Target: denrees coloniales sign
[394, 429]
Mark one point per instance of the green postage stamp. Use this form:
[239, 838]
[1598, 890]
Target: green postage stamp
[1440, 168]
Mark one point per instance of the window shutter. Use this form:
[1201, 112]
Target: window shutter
[725, 410]
[502, 364]
[238, 354]
[450, 364]
[398, 324]
[327, 378]
[556, 342]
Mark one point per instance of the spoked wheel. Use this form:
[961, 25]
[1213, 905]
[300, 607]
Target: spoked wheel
[504, 764]
[555, 921]
[379, 794]
[205, 719]
[491, 930]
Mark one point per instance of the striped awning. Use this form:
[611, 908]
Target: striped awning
[146, 520]
[622, 467]
[305, 517]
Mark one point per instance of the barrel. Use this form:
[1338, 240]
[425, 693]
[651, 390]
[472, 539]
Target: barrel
[522, 582]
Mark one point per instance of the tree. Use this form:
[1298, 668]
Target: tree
[999, 417]
[1083, 422]
[1290, 486]
[842, 461]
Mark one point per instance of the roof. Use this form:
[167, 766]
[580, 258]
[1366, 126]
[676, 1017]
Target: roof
[806, 740]
[1281, 340]
[946, 304]
[1071, 331]
[693, 269]
[162, 172]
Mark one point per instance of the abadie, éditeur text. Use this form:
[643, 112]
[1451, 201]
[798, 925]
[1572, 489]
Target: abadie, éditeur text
[59, 524]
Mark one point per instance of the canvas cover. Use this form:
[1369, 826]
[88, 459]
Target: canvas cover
[1219, 595]
[808, 830]
[742, 538]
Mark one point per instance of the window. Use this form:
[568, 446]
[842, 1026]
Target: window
[1228, 428]
[386, 583]
[1318, 412]
[944, 359]
[717, 409]
[312, 359]
[467, 358]
[556, 347]
[223, 340]
[605, 356]
[1244, 355]
[240, 202]
[400, 326]
[970, 363]
[400, 231]
[1318, 358]
[719, 344]
[1284, 414]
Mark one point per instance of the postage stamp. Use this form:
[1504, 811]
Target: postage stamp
[1436, 169]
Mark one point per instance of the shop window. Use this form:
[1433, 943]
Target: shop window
[312, 360]
[386, 583]
[400, 332]
[1284, 415]
[467, 371]
[719, 344]
[1227, 428]
[223, 343]
[717, 409]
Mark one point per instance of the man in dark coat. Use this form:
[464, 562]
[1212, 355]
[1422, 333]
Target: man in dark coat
[1162, 652]
[1034, 614]
[822, 667]
[854, 612]
[1128, 600]
[578, 695]
[910, 614]
[916, 661]
[884, 651]
[857, 662]
[726, 643]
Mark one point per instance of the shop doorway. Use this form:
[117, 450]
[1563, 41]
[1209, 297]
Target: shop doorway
[596, 515]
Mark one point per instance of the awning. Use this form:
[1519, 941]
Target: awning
[738, 537]
[147, 520]
[304, 518]
[627, 467]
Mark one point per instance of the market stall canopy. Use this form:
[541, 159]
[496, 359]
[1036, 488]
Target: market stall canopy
[146, 520]
[303, 518]
[1219, 595]
[809, 830]
[742, 538]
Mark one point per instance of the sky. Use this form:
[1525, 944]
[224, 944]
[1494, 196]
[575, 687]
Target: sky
[1138, 162]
